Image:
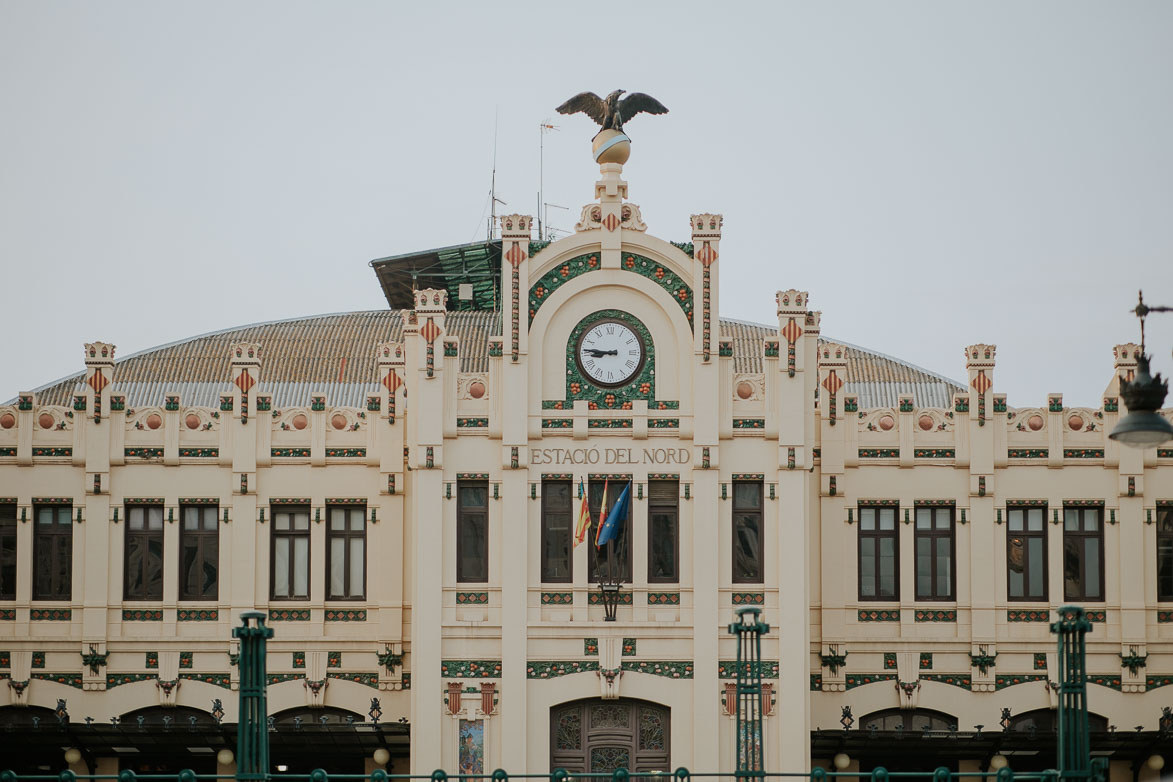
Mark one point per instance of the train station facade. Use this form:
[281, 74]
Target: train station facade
[398, 491]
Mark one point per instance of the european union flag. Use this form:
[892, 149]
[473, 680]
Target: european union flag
[610, 529]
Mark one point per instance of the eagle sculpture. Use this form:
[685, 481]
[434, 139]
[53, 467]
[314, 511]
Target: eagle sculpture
[610, 112]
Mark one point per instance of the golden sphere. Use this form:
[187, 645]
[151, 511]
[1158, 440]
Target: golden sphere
[611, 146]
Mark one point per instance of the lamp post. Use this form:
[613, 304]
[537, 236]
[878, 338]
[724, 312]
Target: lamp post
[1143, 427]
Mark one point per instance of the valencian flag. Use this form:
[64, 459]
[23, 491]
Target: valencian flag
[609, 529]
[584, 516]
[602, 513]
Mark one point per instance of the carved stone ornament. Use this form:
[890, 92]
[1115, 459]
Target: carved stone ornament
[609, 683]
[592, 218]
[472, 386]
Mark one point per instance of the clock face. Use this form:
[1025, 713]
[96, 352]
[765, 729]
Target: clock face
[609, 353]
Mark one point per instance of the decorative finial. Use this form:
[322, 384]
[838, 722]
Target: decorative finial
[611, 145]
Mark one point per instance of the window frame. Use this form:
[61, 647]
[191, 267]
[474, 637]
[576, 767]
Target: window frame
[145, 535]
[1027, 534]
[1083, 535]
[472, 514]
[738, 512]
[877, 534]
[658, 506]
[60, 529]
[934, 534]
[349, 513]
[1165, 514]
[552, 517]
[292, 534]
[200, 535]
[8, 543]
[623, 538]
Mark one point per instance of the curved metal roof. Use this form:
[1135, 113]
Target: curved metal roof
[335, 354]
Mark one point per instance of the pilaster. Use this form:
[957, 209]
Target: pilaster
[93, 537]
[424, 373]
[983, 534]
[1131, 497]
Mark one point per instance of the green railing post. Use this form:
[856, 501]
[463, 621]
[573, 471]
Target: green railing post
[1074, 751]
[252, 740]
[750, 740]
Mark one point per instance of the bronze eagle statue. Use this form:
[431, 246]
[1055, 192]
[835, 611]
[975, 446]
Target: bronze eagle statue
[611, 112]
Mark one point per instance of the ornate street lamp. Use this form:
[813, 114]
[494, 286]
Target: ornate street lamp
[1143, 427]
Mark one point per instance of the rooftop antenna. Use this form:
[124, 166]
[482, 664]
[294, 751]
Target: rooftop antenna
[543, 128]
[493, 199]
[550, 230]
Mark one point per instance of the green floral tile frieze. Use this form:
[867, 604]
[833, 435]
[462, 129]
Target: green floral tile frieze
[1002, 682]
[69, 679]
[1152, 682]
[346, 453]
[816, 682]
[1083, 453]
[474, 669]
[38, 660]
[143, 453]
[472, 598]
[1028, 615]
[748, 598]
[749, 423]
[629, 647]
[663, 598]
[934, 453]
[50, 614]
[142, 615]
[472, 423]
[609, 423]
[1165, 453]
[5, 659]
[854, 680]
[558, 276]
[346, 615]
[663, 423]
[1164, 617]
[299, 659]
[557, 423]
[964, 681]
[926, 661]
[151, 661]
[889, 661]
[671, 669]
[277, 678]
[185, 659]
[198, 614]
[287, 453]
[879, 453]
[7, 614]
[940, 615]
[199, 453]
[7, 451]
[557, 598]
[1027, 453]
[116, 679]
[365, 679]
[684, 247]
[217, 679]
[333, 659]
[590, 647]
[1040, 661]
[552, 669]
[878, 615]
[289, 615]
[63, 452]
[727, 669]
[1097, 616]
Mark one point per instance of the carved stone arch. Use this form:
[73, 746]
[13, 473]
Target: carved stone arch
[594, 735]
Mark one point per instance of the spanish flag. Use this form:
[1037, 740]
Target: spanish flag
[602, 514]
[584, 516]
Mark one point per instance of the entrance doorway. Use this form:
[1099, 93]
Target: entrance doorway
[594, 735]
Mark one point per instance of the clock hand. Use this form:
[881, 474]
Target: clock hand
[595, 353]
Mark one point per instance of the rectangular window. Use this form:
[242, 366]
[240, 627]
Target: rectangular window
[1083, 554]
[346, 540]
[199, 553]
[144, 553]
[663, 532]
[879, 554]
[1165, 554]
[933, 546]
[472, 531]
[557, 519]
[291, 554]
[1026, 553]
[747, 533]
[613, 559]
[7, 552]
[52, 553]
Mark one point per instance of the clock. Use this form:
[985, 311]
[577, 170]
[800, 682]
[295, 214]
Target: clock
[609, 353]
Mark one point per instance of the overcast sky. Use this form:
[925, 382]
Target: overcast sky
[935, 174]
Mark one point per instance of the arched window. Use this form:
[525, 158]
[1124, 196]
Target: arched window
[904, 719]
[178, 716]
[307, 716]
[1047, 721]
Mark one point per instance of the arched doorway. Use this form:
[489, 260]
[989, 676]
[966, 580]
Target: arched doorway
[594, 735]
